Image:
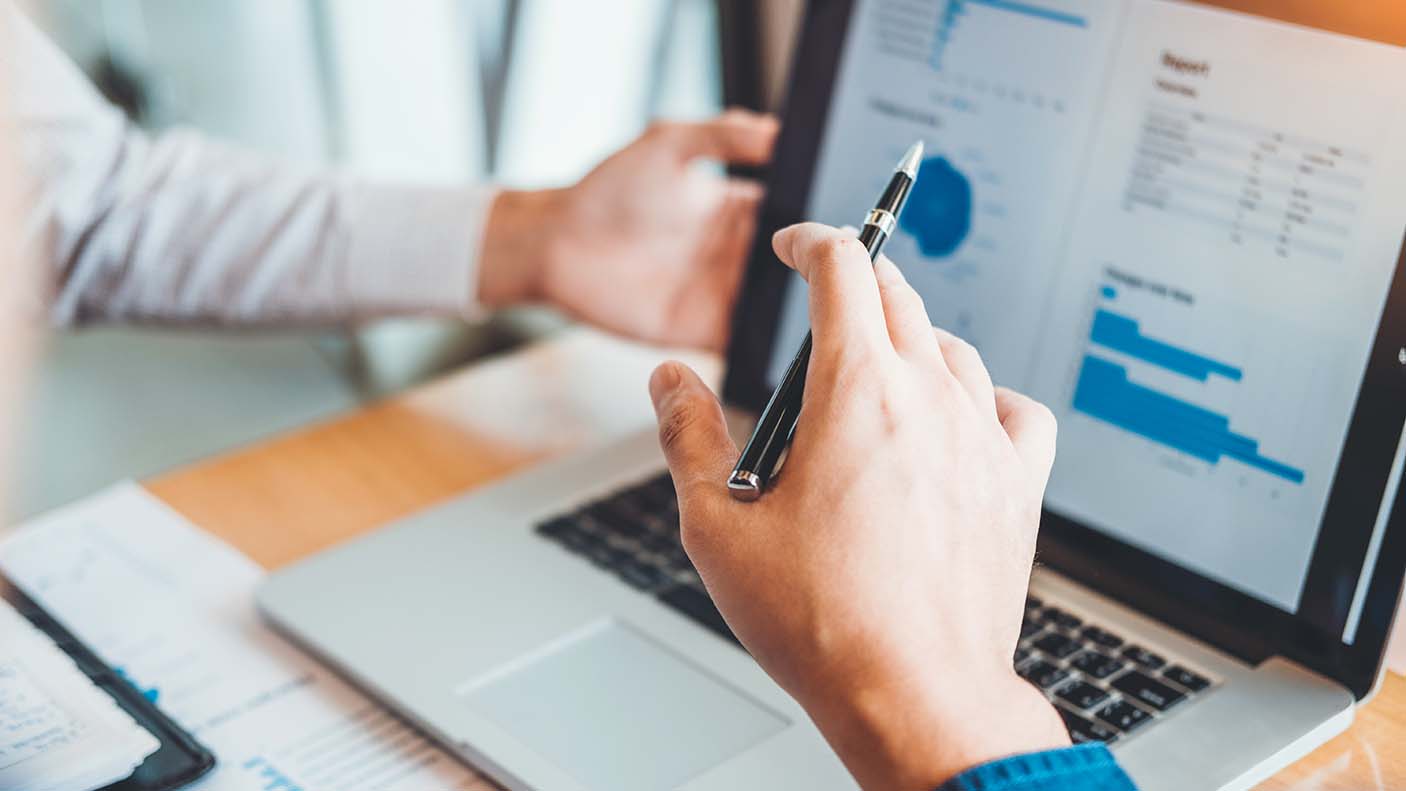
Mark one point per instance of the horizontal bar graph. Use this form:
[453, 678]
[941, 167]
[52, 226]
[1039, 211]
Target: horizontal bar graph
[1123, 334]
[1105, 393]
[956, 9]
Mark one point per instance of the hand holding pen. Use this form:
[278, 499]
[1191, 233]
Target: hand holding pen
[778, 420]
[894, 554]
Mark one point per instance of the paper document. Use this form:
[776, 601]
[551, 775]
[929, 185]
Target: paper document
[58, 731]
[172, 608]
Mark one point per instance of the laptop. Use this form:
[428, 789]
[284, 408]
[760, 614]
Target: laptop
[1180, 225]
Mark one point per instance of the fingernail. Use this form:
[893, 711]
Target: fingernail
[663, 381]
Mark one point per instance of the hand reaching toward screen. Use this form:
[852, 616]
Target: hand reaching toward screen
[881, 581]
[648, 244]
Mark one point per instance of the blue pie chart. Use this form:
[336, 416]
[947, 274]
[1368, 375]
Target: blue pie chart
[939, 211]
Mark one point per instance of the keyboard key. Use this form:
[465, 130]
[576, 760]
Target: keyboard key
[1043, 674]
[1033, 603]
[694, 603]
[1101, 637]
[1185, 678]
[569, 534]
[1147, 690]
[1143, 657]
[1124, 716]
[1095, 665]
[1082, 729]
[606, 556]
[659, 543]
[1082, 695]
[641, 575]
[1029, 629]
[677, 559]
[655, 496]
[1021, 655]
[1057, 645]
[1060, 618]
[555, 527]
[616, 516]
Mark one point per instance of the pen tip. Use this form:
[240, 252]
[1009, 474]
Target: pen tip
[911, 160]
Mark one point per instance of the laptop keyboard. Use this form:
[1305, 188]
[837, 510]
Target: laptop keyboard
[1103, 686]
[634, 534]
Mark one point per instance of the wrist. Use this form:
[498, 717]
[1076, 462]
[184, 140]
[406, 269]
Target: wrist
[519, 246]
[921, 735]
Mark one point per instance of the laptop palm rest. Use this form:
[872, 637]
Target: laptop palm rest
[616, 710]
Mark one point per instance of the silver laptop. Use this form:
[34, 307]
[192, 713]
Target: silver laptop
[1180, 225]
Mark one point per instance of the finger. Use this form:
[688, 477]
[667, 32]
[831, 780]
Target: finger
[692, 433]
[1032, 429]
[846, 313]
[736, 136]
[965, 363]
[910, 330]
[725, 258]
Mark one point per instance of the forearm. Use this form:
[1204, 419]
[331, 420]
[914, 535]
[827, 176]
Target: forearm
[183, 230]
[178, 229]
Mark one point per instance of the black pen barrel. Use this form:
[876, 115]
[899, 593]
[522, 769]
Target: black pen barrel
[777, 423]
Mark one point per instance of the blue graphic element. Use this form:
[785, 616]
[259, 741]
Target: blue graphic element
[956, 9]
[1104, 393]
[1121, 333]
[150, 693]
[272, 778]
[1108, 292]
[939, 210]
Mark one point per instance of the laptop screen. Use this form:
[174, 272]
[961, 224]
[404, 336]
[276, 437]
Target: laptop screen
[1174, 223]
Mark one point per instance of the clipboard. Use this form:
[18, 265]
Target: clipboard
[179, 761]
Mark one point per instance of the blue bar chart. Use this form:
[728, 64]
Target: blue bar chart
[1123, 334]
[1105, 392]
[956, 9]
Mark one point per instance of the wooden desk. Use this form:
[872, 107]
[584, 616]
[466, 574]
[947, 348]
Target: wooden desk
[288, 497]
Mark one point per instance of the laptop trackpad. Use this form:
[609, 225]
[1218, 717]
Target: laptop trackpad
[616, 710]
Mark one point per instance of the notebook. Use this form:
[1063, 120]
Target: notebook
[58, 731]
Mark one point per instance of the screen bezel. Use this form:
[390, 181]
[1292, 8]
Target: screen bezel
[1218, 614]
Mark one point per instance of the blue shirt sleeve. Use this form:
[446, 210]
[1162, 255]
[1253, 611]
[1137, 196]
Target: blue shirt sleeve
[1086, 767]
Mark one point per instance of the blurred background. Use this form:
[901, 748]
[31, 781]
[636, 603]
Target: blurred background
[519, 92]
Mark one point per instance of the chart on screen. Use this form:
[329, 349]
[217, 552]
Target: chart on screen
[970, 78]
[1173, 394]
[985, 47]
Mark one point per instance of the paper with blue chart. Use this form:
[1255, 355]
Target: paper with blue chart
[172, 607]
[58, 731]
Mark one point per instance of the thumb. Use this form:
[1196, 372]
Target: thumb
[692, 431]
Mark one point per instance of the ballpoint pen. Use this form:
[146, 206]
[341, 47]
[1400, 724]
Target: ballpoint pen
[778, 420]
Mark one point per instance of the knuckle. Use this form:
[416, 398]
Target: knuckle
[683, 414]
[956, 348]
[890, 416]
[695, 536]
[734, 114]
[1045, 415]
[949, 387]
[660, 129]
[834, 249]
